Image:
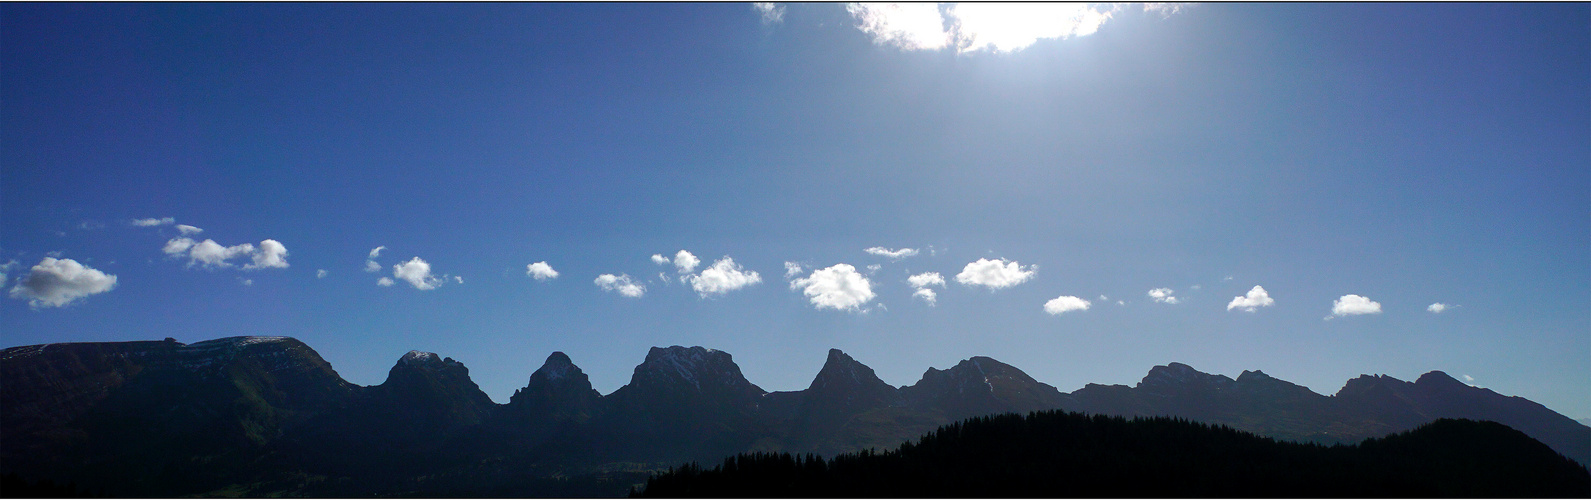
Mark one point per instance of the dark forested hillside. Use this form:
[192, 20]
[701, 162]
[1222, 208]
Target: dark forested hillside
[1058, 454]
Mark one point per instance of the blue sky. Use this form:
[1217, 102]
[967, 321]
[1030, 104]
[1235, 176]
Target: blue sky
[1404, 154]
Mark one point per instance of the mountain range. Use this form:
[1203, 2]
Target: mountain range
[268, 416]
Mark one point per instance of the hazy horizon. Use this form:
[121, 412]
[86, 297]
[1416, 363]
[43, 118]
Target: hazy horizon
[1098, 188]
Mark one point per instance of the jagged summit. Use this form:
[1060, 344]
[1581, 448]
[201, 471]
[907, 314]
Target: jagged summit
[1178, 376]
[558, 390]
[695, 367]
[418, 357]
[841, 371]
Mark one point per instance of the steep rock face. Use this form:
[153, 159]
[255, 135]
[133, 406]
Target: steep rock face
[684, 403]
[558, 391]
[848, 407]
[432, 391]
[847, 386]
[981, 386]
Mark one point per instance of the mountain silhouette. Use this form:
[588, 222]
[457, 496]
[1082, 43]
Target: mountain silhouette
[268, 416]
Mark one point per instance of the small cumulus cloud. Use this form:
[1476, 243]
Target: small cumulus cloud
[622, 284]
[771, 13]
[659, 259]
[791, 269]
[57, 282]
[1353, 305]
[187, 229]
[540, 271]
[1065, 303]
[1253, 300]
[1163, 295]
[1436, 308]
[836, 287]
[152, 222]
[320, 273]
[271, 254]
[995, 274]
[417, 272]
[897, 254]
[873, 268]
[685, 262]
[5, 270]
[722, 277]
[246, 282]
[385, 281]
[921, 282]
[925, 280]
[370, 259]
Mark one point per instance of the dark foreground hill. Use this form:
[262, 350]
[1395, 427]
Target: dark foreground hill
[267, 416]
[1057, 454]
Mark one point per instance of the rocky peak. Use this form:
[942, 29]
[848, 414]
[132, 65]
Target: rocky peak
[840, 371]
[1177, 377]
[558, 388]
[557, 367]
[1365, 385]
[695, 367]
[1438, 380]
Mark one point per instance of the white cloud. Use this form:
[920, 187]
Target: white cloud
[1436, 308]
[1103, 298]
[370, 260]
[150, 222]
[385, 281]
[791, 269]
[659, 259]
[459, 279]
[187, 229]
[541, 271]
[772, 13]
[622, 284]
[1228, 278]
[907, 26]
[246, 282]
[418, 273]
[925, 280]
[1255, 299]
[272, 254]
[1195, 287]
[722, 277]
[685, 262]
[1163, 295]
[1165, 9]
[970, 27]
[177, 246]
[995, 274]
[1007, 27]
[922, 281]
[873, 268]
[1353, 305]
[1468, 379]
[57, 282]
[1065, 303]
[891, 254]
[212, 254]
[320, 273]
[838, 287]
